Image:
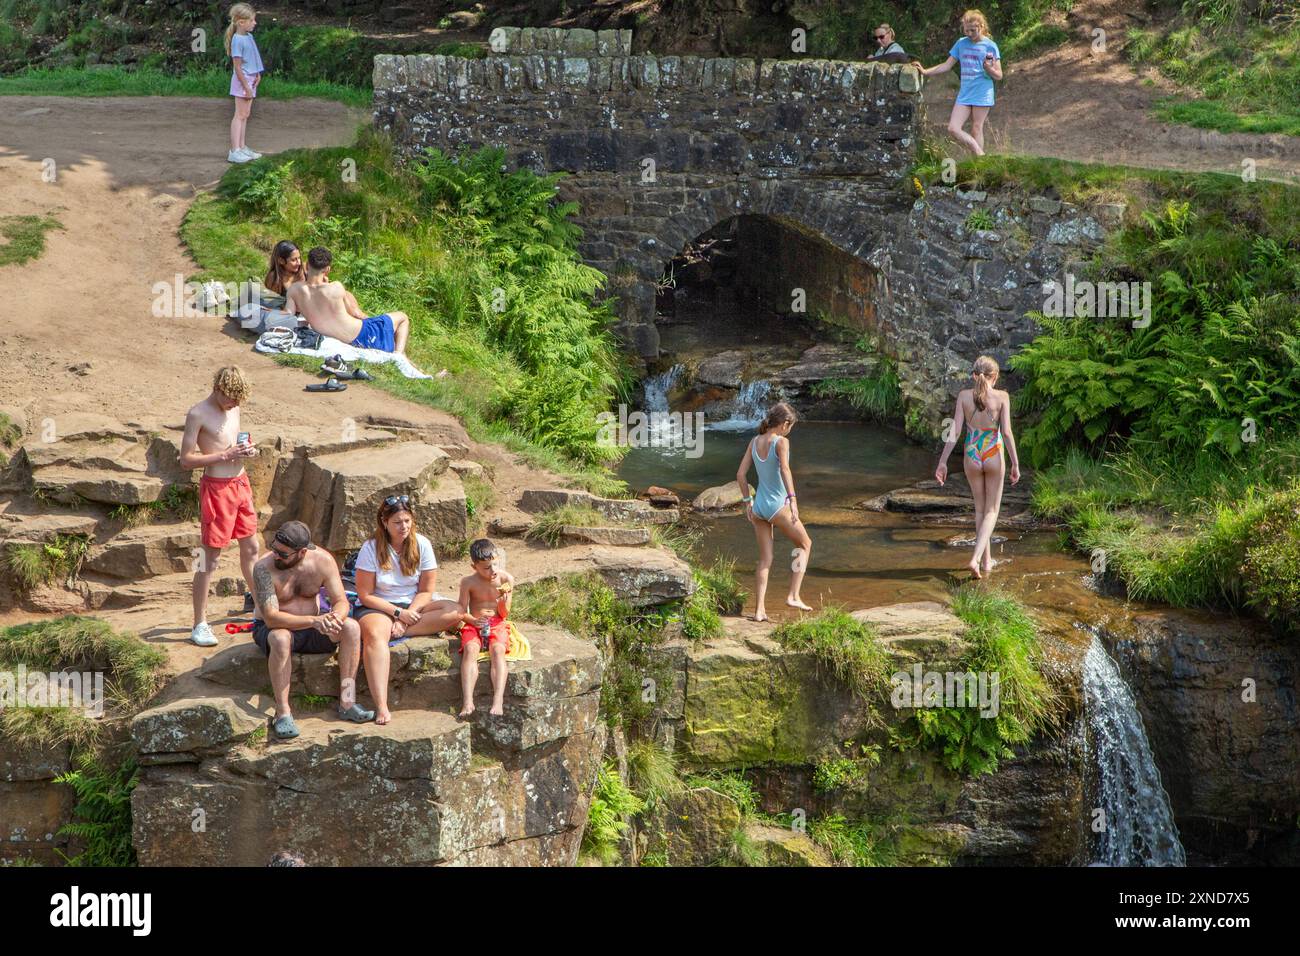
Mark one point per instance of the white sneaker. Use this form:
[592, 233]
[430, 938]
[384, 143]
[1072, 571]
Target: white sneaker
[202, 635]
[251, 152]
[238, 156]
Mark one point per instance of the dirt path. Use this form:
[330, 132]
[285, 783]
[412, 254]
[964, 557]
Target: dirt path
[126, 170]
[1076, 103]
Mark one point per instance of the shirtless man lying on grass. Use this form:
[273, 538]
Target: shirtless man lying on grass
[332, 310]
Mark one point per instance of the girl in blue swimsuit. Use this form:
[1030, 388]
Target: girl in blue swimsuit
[773, 505]
[986, 412]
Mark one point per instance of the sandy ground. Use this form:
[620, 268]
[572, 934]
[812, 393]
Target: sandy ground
[127, 168]
[1077, 103]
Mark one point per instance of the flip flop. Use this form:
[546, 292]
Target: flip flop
[239, 627]
[398, 640]
[357, 715]
[284, 727]
[331, 384]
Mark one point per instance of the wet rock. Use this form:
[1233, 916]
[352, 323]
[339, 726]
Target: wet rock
[967, 540]
[724, 370]
[660, 497]
[718, 498]
[1228, 762]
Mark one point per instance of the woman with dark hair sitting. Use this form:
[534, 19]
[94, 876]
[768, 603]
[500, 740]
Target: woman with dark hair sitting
[285, 268]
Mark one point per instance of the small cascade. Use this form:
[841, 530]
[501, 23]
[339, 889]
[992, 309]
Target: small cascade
[1140, 828]
[658, 386]
[748, 409]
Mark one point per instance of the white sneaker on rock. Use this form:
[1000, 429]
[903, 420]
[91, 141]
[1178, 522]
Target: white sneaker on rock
[238, 156]
[202, 635]
[251, 152]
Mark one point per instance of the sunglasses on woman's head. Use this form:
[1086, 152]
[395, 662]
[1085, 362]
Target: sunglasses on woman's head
[393, 502]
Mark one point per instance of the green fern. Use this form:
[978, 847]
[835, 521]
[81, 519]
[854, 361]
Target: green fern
[103, 812]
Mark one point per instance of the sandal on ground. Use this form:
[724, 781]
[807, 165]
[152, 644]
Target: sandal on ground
[334, 365]
[284, 727]
[357, 715]
[331, 384]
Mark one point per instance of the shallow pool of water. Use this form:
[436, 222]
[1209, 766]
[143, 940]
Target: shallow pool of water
[859, 558]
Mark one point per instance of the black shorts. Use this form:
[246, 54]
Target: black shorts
[360, 610]
[306, 640]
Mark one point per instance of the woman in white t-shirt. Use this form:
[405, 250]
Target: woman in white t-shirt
[395, 576]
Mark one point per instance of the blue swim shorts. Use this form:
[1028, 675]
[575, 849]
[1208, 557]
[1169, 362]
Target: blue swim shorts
[376, 333]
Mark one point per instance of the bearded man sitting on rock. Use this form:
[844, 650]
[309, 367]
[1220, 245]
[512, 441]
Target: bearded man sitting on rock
[286, 587]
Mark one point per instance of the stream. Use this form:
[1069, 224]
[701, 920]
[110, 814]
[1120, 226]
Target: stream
[862, 559]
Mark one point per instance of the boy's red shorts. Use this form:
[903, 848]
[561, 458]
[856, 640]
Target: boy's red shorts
[469, 632]
[226, 510]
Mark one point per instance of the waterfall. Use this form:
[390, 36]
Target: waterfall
[658, 386]
[1140, 828]
[748, 409]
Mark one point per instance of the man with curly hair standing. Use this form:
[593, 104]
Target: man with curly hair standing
[214, 442]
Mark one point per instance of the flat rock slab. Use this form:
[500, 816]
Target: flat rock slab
[191, 724]
[537, 501]
[69, 484]
[626, 537]
[147, 551]
[39, 529]
[341, 493]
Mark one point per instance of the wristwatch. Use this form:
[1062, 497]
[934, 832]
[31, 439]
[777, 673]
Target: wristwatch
[397, 613]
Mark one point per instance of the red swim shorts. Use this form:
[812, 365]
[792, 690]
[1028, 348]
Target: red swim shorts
[468, 632]
[226, 510]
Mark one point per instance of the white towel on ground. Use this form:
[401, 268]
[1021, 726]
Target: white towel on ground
[330, 347]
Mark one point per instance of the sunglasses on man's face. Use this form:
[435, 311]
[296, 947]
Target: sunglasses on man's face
[881, 36]
[284, 555]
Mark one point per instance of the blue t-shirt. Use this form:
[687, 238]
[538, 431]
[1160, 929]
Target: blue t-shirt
[243, 45]
[976, 85]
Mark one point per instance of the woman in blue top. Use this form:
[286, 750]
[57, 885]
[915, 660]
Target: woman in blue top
[981, 64]
[773, 505]
[246, 74]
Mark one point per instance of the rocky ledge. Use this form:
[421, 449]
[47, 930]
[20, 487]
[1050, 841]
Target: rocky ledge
[426, 788]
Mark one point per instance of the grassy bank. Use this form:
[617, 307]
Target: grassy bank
[484, 263]
[1240, 61]
[1162, 448]
[151, 81]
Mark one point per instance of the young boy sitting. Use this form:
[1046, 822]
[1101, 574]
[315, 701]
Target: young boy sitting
[484, 606]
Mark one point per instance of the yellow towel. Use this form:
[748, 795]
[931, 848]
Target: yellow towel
[517, 646]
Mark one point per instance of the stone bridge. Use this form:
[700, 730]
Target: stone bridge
[661, 149]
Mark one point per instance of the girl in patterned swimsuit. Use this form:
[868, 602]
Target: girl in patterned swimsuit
[986, 412]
